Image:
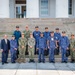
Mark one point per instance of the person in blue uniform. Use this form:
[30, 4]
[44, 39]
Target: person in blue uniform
[5, 47]
[46, 35]
[52, 44]
[64, 46]
[36, 35]
[57, 35]
[41, 46]
[13, 49]
[17, 35]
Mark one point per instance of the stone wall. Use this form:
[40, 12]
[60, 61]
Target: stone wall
[8, 25]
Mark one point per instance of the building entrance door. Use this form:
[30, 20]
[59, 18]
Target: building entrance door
[20, 11]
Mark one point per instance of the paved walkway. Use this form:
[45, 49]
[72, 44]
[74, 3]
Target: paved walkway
[37, 69]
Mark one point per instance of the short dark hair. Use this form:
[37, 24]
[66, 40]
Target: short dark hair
[17, 26]
[63, 32]
[46, 27]
[36, 27]
[57, 29]
[52, 32]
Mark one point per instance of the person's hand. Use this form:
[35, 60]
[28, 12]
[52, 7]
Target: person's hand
[22, 46]
[37, 48]
[48, 47]
[67, 48]
[1, 50]
[73, 49]
[56, 46]
[15, 48]
[31, 47]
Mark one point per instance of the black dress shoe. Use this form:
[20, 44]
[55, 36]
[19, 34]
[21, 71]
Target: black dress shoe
[13, 62]
[43, 61]
[6, 62]
[72, 60]
[65, 61]
[53, 61]
[33, 61]
[2, 63]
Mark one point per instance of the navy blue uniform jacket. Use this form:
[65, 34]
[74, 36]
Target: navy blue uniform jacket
[5, 46]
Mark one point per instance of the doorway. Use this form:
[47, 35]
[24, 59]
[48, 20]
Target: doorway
[20, 9]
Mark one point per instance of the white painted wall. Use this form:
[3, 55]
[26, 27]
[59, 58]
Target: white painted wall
[12, 8]
[32, 9]
[62, 9]
[4, 8]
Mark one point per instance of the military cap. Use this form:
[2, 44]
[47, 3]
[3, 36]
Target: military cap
[22, 33]
[17, 26]
[63, 32]
[57, 28]
[31, 33]
[46, 27]
[52, 32]
[36, 27]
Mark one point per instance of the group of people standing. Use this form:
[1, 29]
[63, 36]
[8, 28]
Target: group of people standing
[41, 43]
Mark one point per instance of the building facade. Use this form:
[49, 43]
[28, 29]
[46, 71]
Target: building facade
[37, 8]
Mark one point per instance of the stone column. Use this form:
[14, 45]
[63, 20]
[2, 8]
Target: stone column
[32, 8]
[4, 9]
[62, 9]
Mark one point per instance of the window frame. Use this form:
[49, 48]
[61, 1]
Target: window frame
[70, 7]
[41, 15]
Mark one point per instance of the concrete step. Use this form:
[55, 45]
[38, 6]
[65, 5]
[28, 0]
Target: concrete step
[36, 56]
[36, 59]
[57, 58]
[8, 25]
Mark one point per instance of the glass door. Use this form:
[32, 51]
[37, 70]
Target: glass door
[20, 11]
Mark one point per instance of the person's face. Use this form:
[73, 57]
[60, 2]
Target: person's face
[13, 38]
[41, 35]
[5, 36]
[31, 35]
[46, 30]
[72, 36]
[23, 35]
[52, 34]
[17, 29]
[63, 34]
[57, 31]
[36, 29]
[26, 28]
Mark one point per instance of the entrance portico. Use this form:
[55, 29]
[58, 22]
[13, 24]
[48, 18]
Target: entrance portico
[37, 8]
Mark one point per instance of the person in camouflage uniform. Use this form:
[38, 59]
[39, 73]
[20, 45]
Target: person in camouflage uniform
[31, 44]
[72, 48]
[22, 48]
[26, 35]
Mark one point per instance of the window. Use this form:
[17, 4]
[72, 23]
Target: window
[70, 7]
[44, 10]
